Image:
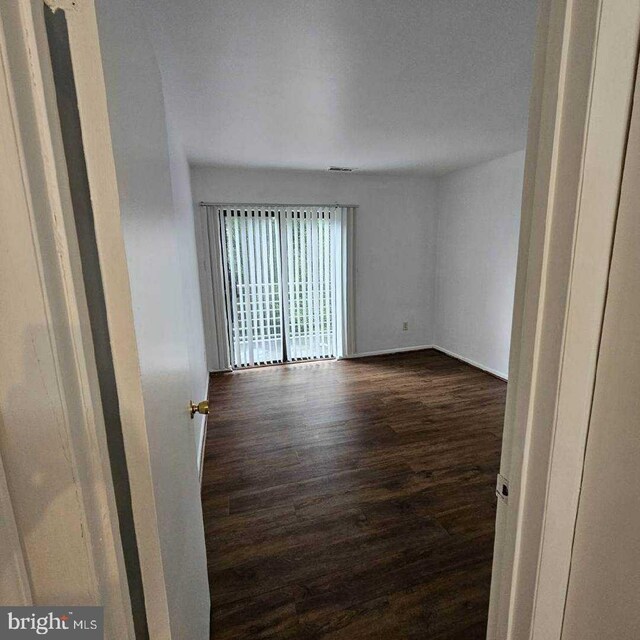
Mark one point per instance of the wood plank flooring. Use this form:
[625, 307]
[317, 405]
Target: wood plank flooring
[352, 499]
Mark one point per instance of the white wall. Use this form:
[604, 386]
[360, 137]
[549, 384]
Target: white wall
[477, 245]
[394, 238]
[152, 237]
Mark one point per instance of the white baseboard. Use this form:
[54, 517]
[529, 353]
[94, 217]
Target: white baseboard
[473, 363]
[457, 356]
[383, 352]
[422, 347]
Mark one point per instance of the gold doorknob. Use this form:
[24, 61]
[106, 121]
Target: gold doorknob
[201, 407]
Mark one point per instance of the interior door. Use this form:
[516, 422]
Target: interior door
[110, 114]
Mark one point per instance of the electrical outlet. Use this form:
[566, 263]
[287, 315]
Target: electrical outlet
[405, 326]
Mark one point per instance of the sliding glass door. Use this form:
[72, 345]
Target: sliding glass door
[282, 282]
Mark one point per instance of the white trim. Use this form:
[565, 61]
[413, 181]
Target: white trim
[612, 77]
[424, 347]
[70, 420]
[383, 352]
[84, 43]
[584, 75]
[473, 363]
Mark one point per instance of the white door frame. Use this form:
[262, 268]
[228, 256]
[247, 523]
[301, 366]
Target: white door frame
[584, 73]
[66, 550]
[27, 31]
[86, 57]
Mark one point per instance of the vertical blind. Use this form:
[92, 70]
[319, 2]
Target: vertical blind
[282, 278]
[251, 254]
[310, 276]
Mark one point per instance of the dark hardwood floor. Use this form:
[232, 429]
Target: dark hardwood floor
[352, 499]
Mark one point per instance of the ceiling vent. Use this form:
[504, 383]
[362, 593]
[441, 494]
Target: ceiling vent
[341, 169]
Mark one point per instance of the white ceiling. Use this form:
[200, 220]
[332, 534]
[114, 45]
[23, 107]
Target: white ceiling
[378, 85]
